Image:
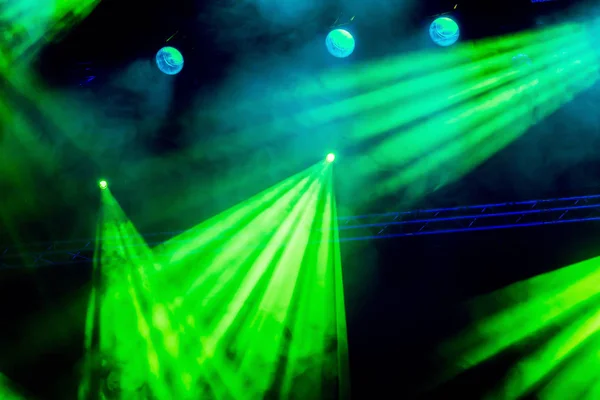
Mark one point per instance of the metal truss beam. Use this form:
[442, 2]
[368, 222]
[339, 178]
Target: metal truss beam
[365, 227]
[471, 218]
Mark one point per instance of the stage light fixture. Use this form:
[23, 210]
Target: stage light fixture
[169, 60]
[340, 43]
[444, 31]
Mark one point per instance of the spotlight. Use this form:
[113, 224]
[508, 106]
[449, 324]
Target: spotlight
[444, 31]
[340, 43]
[103, 184]
[169, 60]
[330, 157]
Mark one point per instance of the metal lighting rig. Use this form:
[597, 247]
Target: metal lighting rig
[363, 227]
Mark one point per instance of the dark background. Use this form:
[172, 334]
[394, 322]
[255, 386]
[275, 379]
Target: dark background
[403, 295]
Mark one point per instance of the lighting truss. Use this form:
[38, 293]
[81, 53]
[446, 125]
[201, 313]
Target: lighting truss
[364, 227]
[471, 218]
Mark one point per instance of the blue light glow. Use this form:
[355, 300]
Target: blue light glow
[169, 60]
[444, 31]
[340, 43]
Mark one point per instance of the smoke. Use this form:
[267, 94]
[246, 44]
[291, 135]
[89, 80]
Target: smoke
[66, 139]
[556, 156]
[132, 105]
[252, 128]
[288, 12]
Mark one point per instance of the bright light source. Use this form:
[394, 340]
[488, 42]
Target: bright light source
[169, 60]
[444, 31]
[103, 184]
[330, 157]
[340, 43]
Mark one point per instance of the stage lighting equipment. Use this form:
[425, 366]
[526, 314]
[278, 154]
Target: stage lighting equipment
[102, 184]
[340, 43]
[169, 60]
[444, 31]
[330, 157]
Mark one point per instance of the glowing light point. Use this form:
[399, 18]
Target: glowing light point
[330, 157]
[169, 60]
[103, 184]
[340, 43]
[444, 31]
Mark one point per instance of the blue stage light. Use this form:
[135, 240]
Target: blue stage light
[169, 60]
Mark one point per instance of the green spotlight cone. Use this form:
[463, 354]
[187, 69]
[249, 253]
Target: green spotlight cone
[248, 304]
[532, 309]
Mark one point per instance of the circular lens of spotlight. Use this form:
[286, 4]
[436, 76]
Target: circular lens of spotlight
[340, 43]
[444, 31]
[330, 157]
[103, 184]
[169, 60]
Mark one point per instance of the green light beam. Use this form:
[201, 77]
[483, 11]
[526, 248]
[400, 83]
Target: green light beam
[7, 391]
[241, 313]
[490, 127]
[270, 275]
[227, 221]
[527, 307]
[535, 367]
[579, 376]
[567, 298]
[467, 71]
[30, 24]
[120, 304]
